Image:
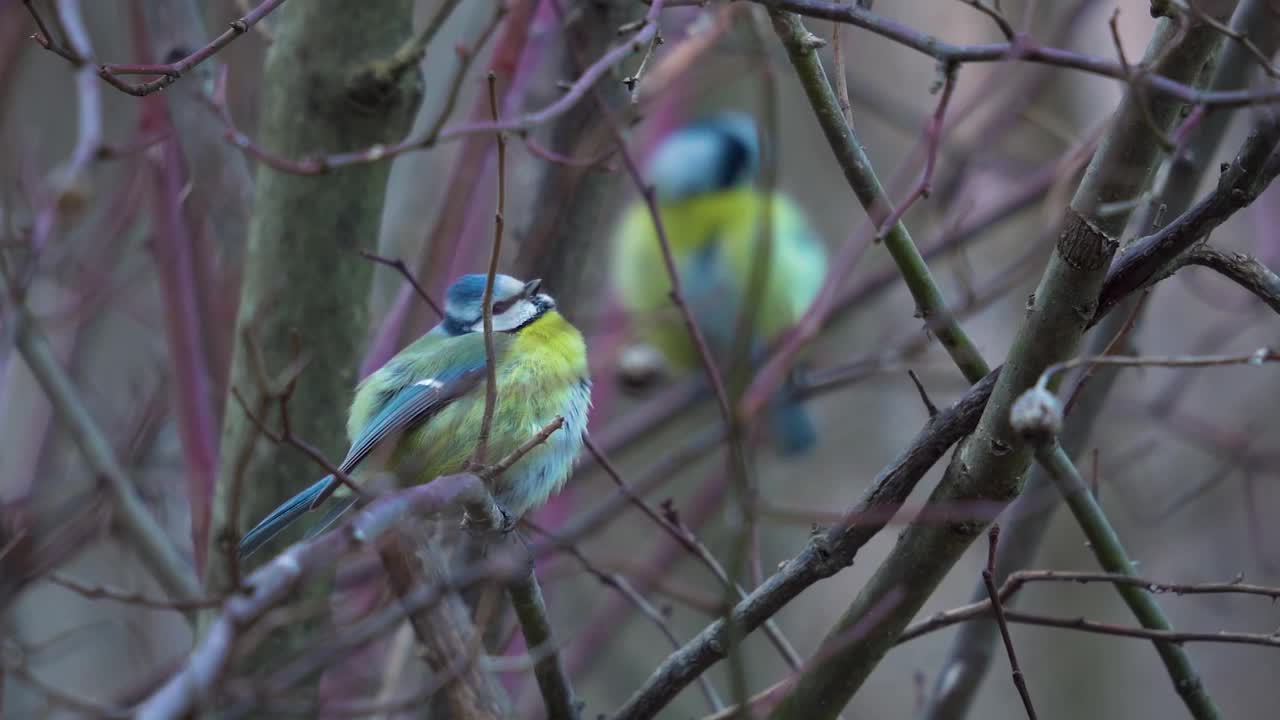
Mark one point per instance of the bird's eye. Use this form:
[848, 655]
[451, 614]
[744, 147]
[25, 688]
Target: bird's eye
[502, 306]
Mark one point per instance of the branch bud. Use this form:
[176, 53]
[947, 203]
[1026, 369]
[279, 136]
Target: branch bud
[1037, 415]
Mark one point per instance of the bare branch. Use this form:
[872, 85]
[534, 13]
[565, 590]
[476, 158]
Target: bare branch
[169, 72]
[146, 534]
[1243, 270]
[988, 578]
[274, 583]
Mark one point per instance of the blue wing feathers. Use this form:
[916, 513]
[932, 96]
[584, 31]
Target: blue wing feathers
[403, 409]
[283, 516]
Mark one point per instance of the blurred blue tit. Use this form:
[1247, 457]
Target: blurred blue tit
[702, 175]
[419, 415]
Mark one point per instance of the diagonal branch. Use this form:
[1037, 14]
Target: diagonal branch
[831, 552]
[148, 537]
[991, 463]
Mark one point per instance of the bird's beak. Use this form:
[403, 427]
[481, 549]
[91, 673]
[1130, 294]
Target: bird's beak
[532, 287]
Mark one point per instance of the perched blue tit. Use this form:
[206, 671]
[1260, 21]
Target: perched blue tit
[702, 176]
[419, 416]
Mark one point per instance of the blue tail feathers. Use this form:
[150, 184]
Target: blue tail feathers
[282, 517]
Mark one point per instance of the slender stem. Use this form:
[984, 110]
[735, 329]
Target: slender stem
[1112, 556]
[988, 579]
[490, 355]
[847, 148]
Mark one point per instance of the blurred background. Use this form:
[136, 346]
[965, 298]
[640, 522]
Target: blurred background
[1186, 460]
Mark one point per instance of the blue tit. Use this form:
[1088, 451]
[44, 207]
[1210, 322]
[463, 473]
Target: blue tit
[703, 178]
[419, 416]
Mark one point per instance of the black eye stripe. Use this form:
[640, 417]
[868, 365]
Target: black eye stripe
[504, 305]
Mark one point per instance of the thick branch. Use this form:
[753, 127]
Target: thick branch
[972, 648]
[989, 465]
[1239, 185]
[200, 676]
[833, 551]
[797, 574]
[535, 623]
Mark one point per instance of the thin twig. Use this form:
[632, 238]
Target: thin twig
[1131, 77]
[988, 578]
[169, 72]
[1199, 15]
[399, 266]
[690, 542]
[996, 17]
[317, 165]
[842, 73]
[466, 56]
[286, 436]
[924, 394]
[1111, 554]
[496, 469]
[1017, 580]
[1121, 335]
[1257, 357]
[624, 588]
[1021, 49]
[490, 354]
[95, 592]
[932, 140]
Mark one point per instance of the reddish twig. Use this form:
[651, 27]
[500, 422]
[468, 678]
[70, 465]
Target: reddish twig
[168, 72]
[1021, 49]
[446, 233]
[185, 321]
[317, 165]
[538, 150]
[932, 139]
[281, 391]
[399, 266]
